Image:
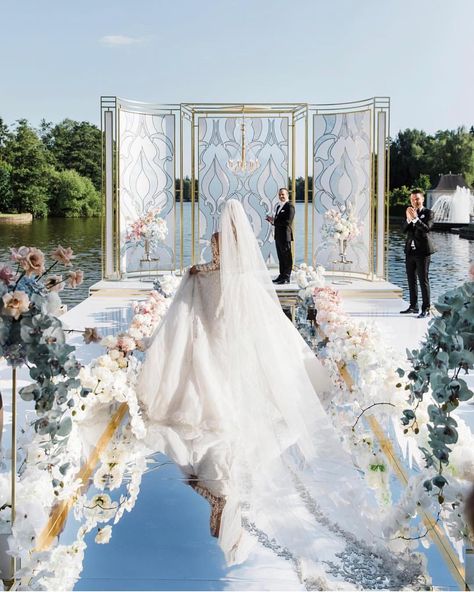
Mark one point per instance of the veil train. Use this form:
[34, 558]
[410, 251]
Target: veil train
[230, 390]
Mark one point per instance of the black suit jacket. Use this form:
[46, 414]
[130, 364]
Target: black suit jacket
[283, 221]
[419, 233]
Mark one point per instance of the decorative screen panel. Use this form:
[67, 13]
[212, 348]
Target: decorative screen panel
[342, 178]
[146, 182]
[219, 140]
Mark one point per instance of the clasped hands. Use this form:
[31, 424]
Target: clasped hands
[411, 214]
[270, 219]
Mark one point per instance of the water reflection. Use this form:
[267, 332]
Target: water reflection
[448, 266]
[83, 235]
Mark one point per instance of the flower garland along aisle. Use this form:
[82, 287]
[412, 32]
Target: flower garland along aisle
[31, 336]
[426, 429]
[347, 344]
[52, 447]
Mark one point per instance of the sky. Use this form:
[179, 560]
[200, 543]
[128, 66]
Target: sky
[58, 57]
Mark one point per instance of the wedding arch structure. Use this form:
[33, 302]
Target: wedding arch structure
[152, 152]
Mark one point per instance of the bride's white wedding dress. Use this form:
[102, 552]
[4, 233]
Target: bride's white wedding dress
[230, 393]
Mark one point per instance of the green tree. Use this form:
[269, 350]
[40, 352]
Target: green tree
[72, 196]
[4, 135]
[399, 198]
[453, 151]
[414, 153]
[28, 159]
[409, 157]
[74, 145]
[6, 195]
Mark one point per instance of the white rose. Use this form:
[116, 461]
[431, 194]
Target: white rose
[104, 535]
[109, 341]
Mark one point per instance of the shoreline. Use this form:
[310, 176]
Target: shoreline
[16, 218]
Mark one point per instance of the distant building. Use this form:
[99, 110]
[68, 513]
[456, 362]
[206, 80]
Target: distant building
[447, 185]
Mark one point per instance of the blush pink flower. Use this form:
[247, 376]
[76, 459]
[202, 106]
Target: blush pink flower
[18, 255]
[126, 343]
[6, 274]
[62, 255]
[75, 278]
[91, 335]
[54, 283]
[15, 304]
[33, 262]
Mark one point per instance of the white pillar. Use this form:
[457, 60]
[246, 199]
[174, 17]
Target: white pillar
[109, 194]
[381, 183]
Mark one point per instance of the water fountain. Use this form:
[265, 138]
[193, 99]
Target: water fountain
[453, 210]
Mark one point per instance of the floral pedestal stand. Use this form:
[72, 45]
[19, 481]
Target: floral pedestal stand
[342, 262]
[147, 262]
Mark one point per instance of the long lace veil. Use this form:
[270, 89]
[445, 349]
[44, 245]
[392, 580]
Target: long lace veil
[285, 449]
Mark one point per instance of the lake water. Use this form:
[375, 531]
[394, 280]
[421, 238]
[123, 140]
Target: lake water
[448, 268]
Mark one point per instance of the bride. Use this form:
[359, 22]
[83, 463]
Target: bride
[230, 392]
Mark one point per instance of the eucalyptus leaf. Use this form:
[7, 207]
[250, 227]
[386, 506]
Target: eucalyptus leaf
[65, 427]
[439, 481]
[30, 392]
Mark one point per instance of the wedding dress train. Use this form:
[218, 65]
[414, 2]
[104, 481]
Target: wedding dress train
[230, 392]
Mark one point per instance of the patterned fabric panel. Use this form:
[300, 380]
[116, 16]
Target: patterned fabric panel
[219, 140]
[146, 182]
[342, 179]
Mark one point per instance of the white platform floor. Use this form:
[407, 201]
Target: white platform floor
[164, 544]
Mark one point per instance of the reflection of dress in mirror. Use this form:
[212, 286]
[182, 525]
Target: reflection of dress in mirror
[229, 389]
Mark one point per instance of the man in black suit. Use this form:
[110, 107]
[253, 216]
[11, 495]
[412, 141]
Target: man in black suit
[418, 250]
[283, 219]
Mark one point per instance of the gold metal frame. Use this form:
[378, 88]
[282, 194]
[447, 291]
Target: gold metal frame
[299, 114]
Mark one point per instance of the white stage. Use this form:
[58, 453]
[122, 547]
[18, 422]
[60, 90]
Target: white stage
[165, 543]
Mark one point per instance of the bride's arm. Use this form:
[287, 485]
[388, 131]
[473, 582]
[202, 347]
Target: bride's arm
[215, 263]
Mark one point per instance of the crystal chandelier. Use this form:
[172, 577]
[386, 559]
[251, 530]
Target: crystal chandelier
[241, 164]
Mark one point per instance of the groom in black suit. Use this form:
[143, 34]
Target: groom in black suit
[418, 250]
[282, 221]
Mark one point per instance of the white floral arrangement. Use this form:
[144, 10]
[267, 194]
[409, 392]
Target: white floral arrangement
[340, 225]
[150, 226]
[110, 381]
[308, 278]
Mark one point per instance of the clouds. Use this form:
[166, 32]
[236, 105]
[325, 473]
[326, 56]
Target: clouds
[120, 40]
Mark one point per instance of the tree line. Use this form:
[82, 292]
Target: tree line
[417, 159]
[55, 169]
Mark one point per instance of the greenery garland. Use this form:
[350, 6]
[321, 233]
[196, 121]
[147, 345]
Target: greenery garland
[446, 353]
[31, 335]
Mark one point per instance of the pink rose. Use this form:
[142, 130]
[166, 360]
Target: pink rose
[15, 304]
[54, 283]
[18, 255]
[62, 255]
[75, 278]
[6, 274]
[126, 343]
[33, 262]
